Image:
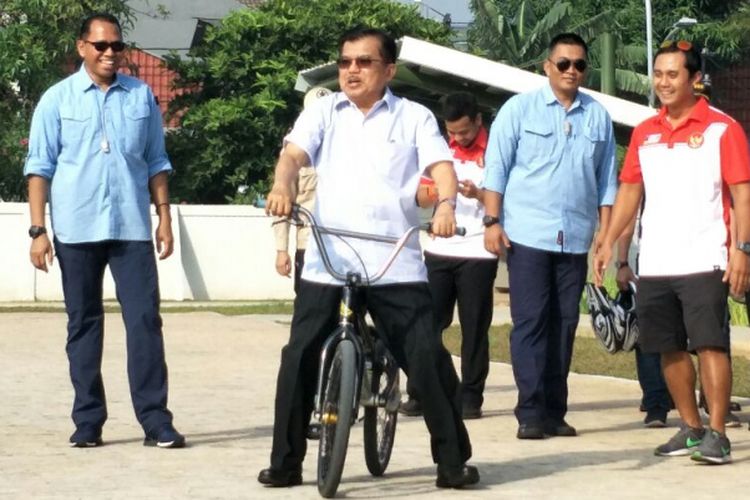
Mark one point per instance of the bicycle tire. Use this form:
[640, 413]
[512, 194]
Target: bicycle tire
[379, 427]
[336, 418]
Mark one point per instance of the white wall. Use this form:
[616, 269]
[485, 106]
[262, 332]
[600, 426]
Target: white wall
[222, 252]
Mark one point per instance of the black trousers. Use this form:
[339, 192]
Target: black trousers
[545, 292]
[403, 315]
[468, 282]
[133, 268]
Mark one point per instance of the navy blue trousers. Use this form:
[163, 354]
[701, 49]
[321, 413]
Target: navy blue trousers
[545, 291]
[133, 267]
[653, 385]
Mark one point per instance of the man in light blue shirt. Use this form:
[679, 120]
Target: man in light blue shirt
[96, 150]
[550, 177]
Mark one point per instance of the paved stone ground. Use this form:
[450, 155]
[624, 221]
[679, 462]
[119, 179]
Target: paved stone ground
[222, 377]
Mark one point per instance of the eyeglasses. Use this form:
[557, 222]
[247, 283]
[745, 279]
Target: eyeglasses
[102, 46]
[563, 64]
[362, 62]
[683, 45]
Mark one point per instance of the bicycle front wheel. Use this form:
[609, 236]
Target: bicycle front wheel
[380, 424]
[336, 418]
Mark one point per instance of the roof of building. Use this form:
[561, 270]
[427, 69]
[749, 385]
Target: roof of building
[165, 25]
[427, 71]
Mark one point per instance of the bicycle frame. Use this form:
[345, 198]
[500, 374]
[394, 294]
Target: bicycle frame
[352, 325]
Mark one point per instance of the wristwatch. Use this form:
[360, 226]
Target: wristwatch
[744, 247]
[489, 220]
[621, 263]
[37, 231]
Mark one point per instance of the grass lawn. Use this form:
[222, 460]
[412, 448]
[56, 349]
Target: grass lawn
[590, 357]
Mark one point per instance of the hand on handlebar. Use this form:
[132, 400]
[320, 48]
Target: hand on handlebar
[444, 221]
[279, 201]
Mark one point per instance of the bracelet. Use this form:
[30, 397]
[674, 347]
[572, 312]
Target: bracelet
[621, 264]
[161, 204]
[449, 201]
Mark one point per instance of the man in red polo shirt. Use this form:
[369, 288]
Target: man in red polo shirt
[691, 163]
[459, 268]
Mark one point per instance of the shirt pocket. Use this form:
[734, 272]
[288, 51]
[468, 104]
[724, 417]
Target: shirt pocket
[75, 126]
[136, 127]
[594, 141]
[537, 141]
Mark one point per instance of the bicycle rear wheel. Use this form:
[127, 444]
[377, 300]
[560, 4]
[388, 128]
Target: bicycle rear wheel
[380, 423]
[336, 418]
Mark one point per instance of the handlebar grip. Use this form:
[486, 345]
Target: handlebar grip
[427, 226]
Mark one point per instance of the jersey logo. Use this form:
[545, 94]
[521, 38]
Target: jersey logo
[695, 140]
[652, 139]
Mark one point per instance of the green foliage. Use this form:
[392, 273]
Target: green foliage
[722, 27]
[239, 85]
[38, 49]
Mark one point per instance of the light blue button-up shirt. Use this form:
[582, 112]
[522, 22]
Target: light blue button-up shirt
[554, 168]
[99, 150]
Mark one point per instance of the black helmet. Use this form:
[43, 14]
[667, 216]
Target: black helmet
[602, 317]
[614, 321]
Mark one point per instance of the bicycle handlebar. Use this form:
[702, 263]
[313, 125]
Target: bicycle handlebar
[299, 213]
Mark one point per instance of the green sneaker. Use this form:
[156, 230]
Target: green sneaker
[715, 449]
[683, 443]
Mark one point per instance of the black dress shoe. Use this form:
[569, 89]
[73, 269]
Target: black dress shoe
[410, 408]
[530, 431]
[313, 432]
[280, 478]
[560, 428]
[471, 412]
[465, 476]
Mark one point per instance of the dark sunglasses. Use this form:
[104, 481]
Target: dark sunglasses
[362, 62]
[563, 64]
[103, 46]
[683, 45]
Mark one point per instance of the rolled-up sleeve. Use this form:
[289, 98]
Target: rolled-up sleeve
[607, 168]
[156, 152]
[501, 147]
[44, 138]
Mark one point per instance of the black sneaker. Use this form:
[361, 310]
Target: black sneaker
[410, 408]
[715, 449]
[280, 478]
[683, 443]
[165, 437]
[655, 419]
[85, 437]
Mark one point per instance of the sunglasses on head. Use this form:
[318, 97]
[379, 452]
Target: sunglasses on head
[683, 45]
[117, 46]
[563, 64]
[362, 62]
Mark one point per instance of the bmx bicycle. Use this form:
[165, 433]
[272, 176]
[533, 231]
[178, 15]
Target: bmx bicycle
[356, 368]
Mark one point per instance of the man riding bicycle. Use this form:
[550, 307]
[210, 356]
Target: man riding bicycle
[369, 149]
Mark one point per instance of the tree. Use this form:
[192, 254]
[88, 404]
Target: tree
[38, 49]
[239, 85]
[536, 21]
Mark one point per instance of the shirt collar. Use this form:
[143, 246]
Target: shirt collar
[388, 98]
[83, 82]
[699, 113]
[551, 98]
[480, 142]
